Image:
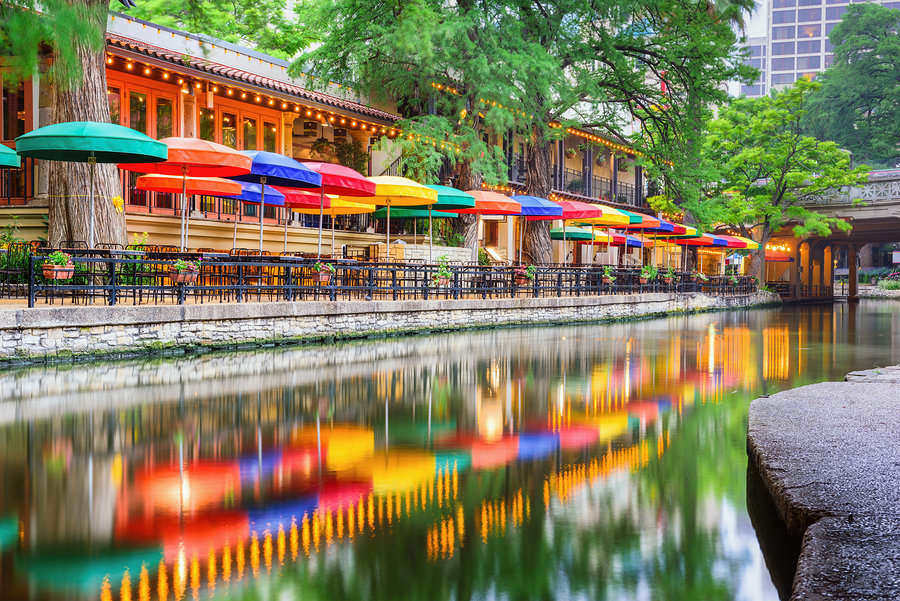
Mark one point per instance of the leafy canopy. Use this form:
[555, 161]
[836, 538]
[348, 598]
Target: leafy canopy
[766, 170]
[858, 105]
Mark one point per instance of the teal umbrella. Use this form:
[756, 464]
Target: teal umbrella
[90, 142]
[404, 213]
[448, 198]
[571, 233]
[8, 157]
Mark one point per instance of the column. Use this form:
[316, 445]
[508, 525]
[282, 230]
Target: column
[638, 185]
[587, 170]
[795, 272]
[614, 178]
[853, 295]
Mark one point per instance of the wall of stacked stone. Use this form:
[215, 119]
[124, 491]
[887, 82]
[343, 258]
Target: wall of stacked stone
[42, 332]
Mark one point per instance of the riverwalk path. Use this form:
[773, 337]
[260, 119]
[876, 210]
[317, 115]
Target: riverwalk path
[829, 455]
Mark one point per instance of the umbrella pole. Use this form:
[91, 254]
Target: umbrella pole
[183, 207]
[522, 237]
[286, 213]
[332, 236]
[565, 247]
[92, 166]
[262, 209]
[475, 238]
[387, 232]
[321, 213]
[430, 237]
[234, 235]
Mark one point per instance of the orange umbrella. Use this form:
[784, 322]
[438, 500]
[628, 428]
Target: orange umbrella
[216, 186]
[197, 158]
[489, 203]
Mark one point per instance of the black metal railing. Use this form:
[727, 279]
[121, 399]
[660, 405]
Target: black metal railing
[134, 277]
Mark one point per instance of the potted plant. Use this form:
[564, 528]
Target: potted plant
[732, 279]
[443, 274]
[608, 277]
[525, 275]
[324, 271]
[571, 153]
[648, 273]
[669, 276]
[184, 272]
[58, 266]
[701, 277]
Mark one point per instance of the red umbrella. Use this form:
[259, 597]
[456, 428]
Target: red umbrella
[198, 158]
[215, 186]
[572, 209]
[340, 180]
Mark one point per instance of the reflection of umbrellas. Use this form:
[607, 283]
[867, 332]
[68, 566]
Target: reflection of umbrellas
[400, 191]
[534, 445]
[89, 142]
[417, 432]
[277, 169]
[643, 409]
[9, 157]
[486, 454]
[340, 180]
[489, 203]
[608, 425]
[9, 531]
[63, 570]
[197, 486]
[196, 533]
[397, 470]
[338, 494]
[193, 157]
[282, 514]
[342, 445]
[534, 206]
[576, 437]
[447, 459]
[448, 199]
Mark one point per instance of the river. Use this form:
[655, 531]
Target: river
[569, 462]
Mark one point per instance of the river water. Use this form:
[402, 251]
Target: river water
[582, 462]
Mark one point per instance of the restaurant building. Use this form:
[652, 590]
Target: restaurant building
[165, 82]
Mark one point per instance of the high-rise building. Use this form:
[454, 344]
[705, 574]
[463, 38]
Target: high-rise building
[796, 42]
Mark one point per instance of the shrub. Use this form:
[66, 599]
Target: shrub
[889, 284]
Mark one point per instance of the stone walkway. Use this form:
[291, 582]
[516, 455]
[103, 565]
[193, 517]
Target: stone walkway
[829, 455]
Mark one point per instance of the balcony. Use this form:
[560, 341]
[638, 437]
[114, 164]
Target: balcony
[574, 182]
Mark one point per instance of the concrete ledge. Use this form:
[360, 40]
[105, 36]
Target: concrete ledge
[829, 456]
[29, 334]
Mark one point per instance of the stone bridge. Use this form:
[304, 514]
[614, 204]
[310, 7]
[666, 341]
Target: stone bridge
[873, 209]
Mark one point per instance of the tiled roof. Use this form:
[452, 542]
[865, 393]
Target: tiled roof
[240, 75]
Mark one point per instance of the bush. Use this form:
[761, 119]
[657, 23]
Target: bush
[889, 284]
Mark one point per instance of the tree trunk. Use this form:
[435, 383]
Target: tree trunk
[68, 182]
[537, 183]
[466, 179]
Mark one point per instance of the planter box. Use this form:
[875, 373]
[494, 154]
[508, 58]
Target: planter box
[522, 280]
[323, 277]
[607, 280]
[668, 280]
[58, 272]
[183, 277]
[644, 281]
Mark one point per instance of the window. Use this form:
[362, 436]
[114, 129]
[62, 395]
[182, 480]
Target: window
[249, 133]
[784, 16]
[809, 31]
[809, 2]
[808, 62]
[807, 76]
[834, 13]
[829, 27]
[828, 46]
[809, 46]
[782, 78]
[782, 48]
[784, 3]
[114, 97]
[835, 1]
[229, 129]
[751, 90]
[809, 14]
[207, 125]
[756, 50]
[269, 137]
[782, 33]
[137, 111]
[164, 117]
[13, 116]
[782, 64]
[756, 63]
[829, 60]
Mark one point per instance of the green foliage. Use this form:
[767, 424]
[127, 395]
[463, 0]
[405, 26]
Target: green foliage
[181, 265]
[321, 266]
[889, 284]
[443, 271]
[608, 274]
[483, 257]
[669, 274]
[858, 105]
[649, 272]
[763, 171]
[9, 233]
[58, 257]
[528, 272]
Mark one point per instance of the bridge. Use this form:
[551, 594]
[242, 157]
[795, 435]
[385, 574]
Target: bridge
[873, 209]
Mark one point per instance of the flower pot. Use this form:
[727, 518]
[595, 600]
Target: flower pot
[58, 272]
[522, 280]
[667, 280]
[607, 280]
[186, 276]
[644, 280]
[441, 280]
[323, 277]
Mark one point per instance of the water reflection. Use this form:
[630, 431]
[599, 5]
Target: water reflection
[595, 462]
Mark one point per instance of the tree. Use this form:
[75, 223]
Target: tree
[763, 169]
[858, 105]
[464, 70]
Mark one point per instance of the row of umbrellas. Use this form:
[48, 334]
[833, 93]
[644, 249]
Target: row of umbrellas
[195, 166]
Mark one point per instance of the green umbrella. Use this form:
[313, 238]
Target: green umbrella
[8, 157]
[90, 142]
[404, 213]
[571, 233]
[448, 198]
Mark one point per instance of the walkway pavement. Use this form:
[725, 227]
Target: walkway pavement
[829, 455]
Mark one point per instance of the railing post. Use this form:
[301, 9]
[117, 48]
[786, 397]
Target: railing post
[180, 288]
[535, 285]
[394, 282]
[371, 283]
[30, 280]
[113, 282]
[240, 290]
[288, 283]
[559, 283]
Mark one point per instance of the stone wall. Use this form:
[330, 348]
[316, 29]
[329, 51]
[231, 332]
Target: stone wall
[45, 332]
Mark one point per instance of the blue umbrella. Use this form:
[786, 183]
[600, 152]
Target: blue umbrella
[256, 194]
[535, 206]
[278, 170]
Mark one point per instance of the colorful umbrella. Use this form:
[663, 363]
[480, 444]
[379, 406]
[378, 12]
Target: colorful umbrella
[400, 191]
[448, 198]
[578, 234]
[89, 142]
[534, 206]
[193, 157]
[339, 180]
[277, 169]
[489, 203]
[9, 157]
[213, 186]
[400, 213]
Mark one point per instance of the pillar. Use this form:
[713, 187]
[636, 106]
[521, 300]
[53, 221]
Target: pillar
[853, 274]
[795, 272]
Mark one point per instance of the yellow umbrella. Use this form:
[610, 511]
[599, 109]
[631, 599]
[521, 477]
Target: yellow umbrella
[339, 206]
[400, 191]
[751, 245]
[610, 216]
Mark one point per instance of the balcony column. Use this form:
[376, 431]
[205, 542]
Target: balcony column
[510, 174]
[614, 178]
[587, 170]
[638, 185]
[853, 274]
[560, 176]
[795, 272]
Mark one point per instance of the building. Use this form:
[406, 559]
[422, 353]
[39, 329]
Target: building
[796, 42]
[166, 82]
